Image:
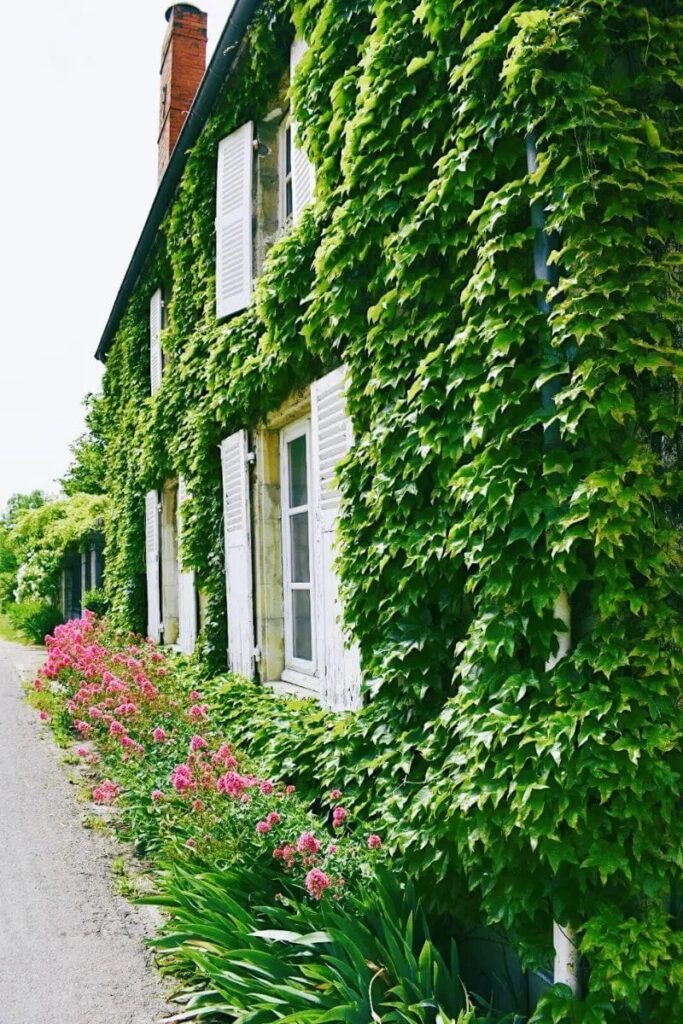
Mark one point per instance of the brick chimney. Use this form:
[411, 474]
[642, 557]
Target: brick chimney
[183, 61]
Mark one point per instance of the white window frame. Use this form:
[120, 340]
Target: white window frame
[300, 428]
[285, 152]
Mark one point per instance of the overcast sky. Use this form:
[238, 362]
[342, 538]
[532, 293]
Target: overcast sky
[79, 81]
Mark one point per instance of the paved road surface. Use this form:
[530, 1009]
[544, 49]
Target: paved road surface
[71, 951]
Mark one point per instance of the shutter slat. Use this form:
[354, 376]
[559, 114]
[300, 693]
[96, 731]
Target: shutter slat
[238, 565]
[303, 172]
[187, 592]
[155, 315]
[331, 433]
[234, 256]
[152, 565]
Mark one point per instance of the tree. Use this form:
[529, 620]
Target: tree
[85, 475]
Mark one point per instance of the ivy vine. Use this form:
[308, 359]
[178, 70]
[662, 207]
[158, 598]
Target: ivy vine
[547, 793]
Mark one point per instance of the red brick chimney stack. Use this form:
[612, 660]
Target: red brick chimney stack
[183, 62]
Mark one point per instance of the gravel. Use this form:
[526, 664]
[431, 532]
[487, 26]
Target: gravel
[71, 950]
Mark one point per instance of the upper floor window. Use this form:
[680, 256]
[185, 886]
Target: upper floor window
[286, 184]
[234, 215]
[156, 324]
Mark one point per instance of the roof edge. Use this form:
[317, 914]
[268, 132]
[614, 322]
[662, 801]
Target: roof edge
[216, 72]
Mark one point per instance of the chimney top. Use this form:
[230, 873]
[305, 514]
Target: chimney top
[183, 62]
[183, 8]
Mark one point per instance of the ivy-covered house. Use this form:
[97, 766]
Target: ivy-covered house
[393, 419]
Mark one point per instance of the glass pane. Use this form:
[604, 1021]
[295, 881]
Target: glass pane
[298, 526]
[298, 482]
[301, 623]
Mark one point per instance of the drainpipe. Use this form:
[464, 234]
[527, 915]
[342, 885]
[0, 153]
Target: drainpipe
[566, 966]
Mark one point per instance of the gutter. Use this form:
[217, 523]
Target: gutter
[218, 69]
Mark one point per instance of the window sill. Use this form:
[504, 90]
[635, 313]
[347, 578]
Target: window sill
[296, 684]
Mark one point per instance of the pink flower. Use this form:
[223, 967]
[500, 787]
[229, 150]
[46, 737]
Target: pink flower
[198, 711]
[128, 708]
[197, 805]
[339, 816]
[157, 795]
[198, 743]
[159, 735]
[267, 788]
[316, 883]
[273, 818]
[82, 751]
[106, 792]
[195, 695]
[307, 843]
[37, 685]
[181, 778]
[263, 826]
[289, 790]
[374, 842]
[336, 794]
[116, 729]
[44, 716]
[332, 848]
[231, 783]
[191, 844]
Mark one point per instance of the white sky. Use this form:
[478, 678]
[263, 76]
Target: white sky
[79, 81]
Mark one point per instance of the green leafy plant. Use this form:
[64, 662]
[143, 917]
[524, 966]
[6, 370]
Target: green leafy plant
[373, 959]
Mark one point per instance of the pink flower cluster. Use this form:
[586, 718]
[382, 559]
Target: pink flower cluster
[106, 792]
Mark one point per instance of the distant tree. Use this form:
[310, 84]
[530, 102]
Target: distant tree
[85, 475]
[17, 506]
[20, 503]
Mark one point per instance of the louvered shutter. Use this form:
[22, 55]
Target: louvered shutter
[303, 172]
[234, 221]
[238, 570]
[155, 314]
[332, 437]
[152, 565]
[187, 593]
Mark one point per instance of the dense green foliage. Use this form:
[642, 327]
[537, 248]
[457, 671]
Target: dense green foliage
[468, 502]
[37, 535]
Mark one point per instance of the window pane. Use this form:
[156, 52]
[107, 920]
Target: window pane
[298, 525]
[298, 482]
[301, 621]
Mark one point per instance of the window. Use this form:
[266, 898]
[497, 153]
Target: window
[297, 548]
[156, 325]
[286, 184]
[280, 514]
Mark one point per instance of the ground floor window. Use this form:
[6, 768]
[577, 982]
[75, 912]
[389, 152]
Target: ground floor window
[297, 547]
[280, 515]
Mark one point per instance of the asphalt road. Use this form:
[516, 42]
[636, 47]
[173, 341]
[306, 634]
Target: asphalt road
[71, 950]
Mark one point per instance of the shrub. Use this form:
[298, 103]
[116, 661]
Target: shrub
[96, 601]
[35, 619]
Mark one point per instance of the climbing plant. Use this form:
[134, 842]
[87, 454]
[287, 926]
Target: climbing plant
[548, 789]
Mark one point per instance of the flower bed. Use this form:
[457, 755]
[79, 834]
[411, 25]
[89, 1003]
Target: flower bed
[242, 863]
[185, 791]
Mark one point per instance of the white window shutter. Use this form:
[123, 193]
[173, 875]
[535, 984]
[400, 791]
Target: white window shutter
[187, 592]
[238, 568]
[152, 565]
[234, 256]
[155, 321]
[332, 438]
[303, 172]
